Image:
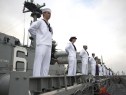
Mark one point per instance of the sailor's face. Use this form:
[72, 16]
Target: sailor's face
[48, 15]
[85, 47]
[74, 40]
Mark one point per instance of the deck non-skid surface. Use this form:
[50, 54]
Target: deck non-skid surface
[117, 89]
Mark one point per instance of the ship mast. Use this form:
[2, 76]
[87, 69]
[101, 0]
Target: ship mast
[36, 11]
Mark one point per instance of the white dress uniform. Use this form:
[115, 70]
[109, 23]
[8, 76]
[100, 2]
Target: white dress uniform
[104, 70]
[43, 47]
[72, 61]
[84, 60]
[100, 70]
[110, 73]
[93, 65]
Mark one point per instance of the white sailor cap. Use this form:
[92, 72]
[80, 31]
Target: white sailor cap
[46, 10]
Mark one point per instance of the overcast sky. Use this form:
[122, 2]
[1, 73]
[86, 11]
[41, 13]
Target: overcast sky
[100, 24]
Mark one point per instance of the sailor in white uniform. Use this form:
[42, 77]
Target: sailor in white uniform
[84, 59]
[110, 72]
[93, 64]
[43, 32]
[104, 69]
[72, 61]
[100, 70]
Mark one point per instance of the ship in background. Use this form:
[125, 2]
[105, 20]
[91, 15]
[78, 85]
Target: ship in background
[16, 63]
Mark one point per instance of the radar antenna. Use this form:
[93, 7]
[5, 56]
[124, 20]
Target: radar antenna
[34, 8]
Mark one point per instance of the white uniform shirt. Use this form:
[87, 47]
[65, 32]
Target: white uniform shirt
[100, 70]
[108, 72]
[70, 50]
[83, 54]
[111, 73]
[92, 61]
[104, 69]
[41, 30]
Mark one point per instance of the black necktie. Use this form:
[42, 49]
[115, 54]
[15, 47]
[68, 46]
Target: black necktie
[50, 29]
[87, 52]
[74, 47]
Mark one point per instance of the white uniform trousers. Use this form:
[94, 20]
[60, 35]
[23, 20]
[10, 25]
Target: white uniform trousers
[84, 66]
[72, 66]
[100, 72]
[104, 71]
[42, 60]
[93, 69]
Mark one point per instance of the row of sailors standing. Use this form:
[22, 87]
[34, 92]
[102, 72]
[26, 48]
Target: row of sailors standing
[101, 68]
[41, 33]
[96, 68]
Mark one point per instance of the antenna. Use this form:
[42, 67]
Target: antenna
[101, 59]
[27, 38]
[24, 31]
